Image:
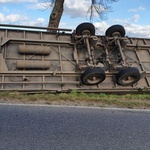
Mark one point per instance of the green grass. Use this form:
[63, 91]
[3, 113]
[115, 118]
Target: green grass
[75, 98]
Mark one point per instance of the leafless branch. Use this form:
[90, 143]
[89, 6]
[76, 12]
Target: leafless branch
[100, 8]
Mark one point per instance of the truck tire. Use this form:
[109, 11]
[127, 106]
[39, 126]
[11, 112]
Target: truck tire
[115, 28]
[85, 26]
[93, 76]
[128, 76]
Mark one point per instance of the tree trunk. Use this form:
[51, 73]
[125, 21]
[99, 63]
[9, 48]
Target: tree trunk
[56, 14]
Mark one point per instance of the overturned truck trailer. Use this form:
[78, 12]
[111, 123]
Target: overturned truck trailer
[59, 60]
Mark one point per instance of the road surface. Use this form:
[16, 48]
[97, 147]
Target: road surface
[72, 128]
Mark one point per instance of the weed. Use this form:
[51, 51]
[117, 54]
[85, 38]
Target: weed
[88, 99]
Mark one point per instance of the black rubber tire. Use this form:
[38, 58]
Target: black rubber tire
[85, 26]
[115, 28]
[128, 76]
[98, 74]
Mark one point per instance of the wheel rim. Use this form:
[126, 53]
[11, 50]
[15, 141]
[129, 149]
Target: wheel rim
[116, 34]
[94, 79]
[127, 80]
[86, 32]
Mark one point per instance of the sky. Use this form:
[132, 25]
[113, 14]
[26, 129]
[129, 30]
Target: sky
[132, 14]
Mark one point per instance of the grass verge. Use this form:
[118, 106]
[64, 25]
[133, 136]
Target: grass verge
[141, 101]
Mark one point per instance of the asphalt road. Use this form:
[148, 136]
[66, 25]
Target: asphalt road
[65, 128]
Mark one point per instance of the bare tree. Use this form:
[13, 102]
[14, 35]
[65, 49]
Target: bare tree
[99, 7]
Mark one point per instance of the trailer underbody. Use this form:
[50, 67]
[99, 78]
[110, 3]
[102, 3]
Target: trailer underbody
[34, 59]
